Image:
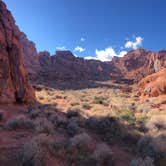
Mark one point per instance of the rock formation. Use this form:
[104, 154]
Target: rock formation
[153, 85]
[140, 63]
[14, 85]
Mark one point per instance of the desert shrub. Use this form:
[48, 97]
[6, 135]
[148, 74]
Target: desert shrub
[73, 126]
[127, 115]
[1, 116]
[102, 155]
[80, 141]
[141, 121]
[86, 106]
[19, 122]
[75, 104]
[79, 149]
[99, 100]
[146, 147]
[59, 120]
[34, 114]
[153, 147]
[58, 147]
[42, 125]
[108, 127]
[34, 153]
[147, 161]
[157, 123]
[72, 113]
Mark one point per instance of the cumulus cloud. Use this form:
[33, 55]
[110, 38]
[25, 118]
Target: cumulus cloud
[82, 39]
[79, 49]
[134, 44]
[106, 54]
[61, 48]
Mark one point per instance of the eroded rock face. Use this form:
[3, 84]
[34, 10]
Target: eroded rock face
[30, 57]
[14, 85]
[153, 85]
[65, 66]
[140, 63]
[131, 68]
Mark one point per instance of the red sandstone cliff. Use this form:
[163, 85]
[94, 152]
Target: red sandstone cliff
[14, 85]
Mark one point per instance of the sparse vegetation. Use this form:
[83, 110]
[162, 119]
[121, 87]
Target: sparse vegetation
[19, 122]
[34, 152]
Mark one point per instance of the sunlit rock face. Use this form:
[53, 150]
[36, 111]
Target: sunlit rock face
[14, 85]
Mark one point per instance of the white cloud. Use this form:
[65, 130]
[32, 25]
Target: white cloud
[106, 55]
[82, 39]
[61, 48]
[79, 49]
[134, 44]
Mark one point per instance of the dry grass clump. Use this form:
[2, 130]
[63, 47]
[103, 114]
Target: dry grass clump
[19, 122]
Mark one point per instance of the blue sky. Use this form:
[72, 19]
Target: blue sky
[98, 28]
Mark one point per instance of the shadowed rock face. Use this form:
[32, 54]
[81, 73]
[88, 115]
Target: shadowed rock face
[14, 85]
[65, 66]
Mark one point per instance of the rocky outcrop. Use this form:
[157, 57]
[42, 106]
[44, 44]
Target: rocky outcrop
[65, 66]
[30, 57]
[14, 85]
[153, 85]
[139, 63]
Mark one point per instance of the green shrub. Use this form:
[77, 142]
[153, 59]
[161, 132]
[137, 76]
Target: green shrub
[128, 116]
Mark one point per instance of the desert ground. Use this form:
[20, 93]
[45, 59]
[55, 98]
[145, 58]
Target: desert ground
[101, 124]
